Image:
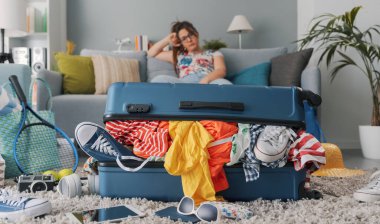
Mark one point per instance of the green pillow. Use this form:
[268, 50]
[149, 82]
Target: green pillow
[78, 73]
[257, 75]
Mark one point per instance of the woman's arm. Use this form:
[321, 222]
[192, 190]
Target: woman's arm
[156, 49]
[218, 73]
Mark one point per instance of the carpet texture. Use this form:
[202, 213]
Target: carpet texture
[337, 206]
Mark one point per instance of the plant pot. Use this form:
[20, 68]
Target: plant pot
[370, 141]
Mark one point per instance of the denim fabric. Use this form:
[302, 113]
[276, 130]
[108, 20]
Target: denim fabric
[191, 78]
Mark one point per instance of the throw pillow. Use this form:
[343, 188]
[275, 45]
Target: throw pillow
[239, 59]
[138, 55]
[78, 73]
[113, 69]
[257, 75]
[287, 69]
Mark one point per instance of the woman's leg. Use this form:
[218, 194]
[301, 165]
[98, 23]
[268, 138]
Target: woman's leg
[166, 79]
[191, 78]
[221, 82]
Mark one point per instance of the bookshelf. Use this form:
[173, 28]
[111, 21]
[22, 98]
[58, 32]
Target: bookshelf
[52, 35]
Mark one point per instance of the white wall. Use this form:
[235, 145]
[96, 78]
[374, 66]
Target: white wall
[347, 100]
[96, 23]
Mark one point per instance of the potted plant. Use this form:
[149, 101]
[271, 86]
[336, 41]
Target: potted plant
[214, 44]
[335, 35]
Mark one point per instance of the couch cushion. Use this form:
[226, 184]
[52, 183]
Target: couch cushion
[239, 59]
[157, 67]
[113, 69]
[72, 109]
[139, 55]
[287, 69]
[257, 75]
[78, 73]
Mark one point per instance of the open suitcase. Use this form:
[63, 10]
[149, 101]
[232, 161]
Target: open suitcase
[245, 104]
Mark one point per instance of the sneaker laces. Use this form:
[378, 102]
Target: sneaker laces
[102, 145]
[4, 193]
[375, 181]
[276, 134]
[20, 202]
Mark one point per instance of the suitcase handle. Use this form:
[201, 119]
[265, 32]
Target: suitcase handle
[211, 105]
[312, 98]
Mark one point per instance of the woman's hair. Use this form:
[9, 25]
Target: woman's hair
[176, 27]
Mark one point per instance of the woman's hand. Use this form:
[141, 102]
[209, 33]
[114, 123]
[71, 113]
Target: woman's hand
[173, 40]
[204, 80]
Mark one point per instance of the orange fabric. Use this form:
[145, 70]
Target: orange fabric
[149, 138]
[219, 154]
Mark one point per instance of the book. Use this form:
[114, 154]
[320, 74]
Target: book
[145, 43]
[44, 21]
[30, 19]
[140, 42]
[137, 43]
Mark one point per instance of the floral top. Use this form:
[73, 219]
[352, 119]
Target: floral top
[200, 63]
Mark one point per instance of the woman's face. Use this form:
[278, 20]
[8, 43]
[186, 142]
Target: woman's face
[188, 40]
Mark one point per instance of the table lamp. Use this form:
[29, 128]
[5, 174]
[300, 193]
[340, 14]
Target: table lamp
[239, 25]
[12, 23]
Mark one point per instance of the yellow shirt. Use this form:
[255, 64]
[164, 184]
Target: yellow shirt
[188, 157]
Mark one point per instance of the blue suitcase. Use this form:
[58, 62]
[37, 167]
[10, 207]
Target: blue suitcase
[163, 101]
[246, 104]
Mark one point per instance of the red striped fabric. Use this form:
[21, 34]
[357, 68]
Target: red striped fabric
[149, 138]
[306, 151]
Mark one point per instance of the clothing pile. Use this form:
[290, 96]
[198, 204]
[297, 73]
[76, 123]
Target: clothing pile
[198, 150]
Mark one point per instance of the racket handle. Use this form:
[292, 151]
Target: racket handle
[16, 86]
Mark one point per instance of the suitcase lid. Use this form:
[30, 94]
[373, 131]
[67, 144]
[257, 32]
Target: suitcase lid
[165, 101]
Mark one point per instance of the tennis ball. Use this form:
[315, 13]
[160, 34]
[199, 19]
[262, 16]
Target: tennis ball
[64, 172]
[52, 172]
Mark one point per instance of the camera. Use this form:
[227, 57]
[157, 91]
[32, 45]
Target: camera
[34, 183]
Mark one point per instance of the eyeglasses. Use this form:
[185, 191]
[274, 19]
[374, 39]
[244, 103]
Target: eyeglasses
[189, 36]
[206, 211]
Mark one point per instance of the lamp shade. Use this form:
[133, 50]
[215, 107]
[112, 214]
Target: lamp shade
[239, 24]
[13, 17]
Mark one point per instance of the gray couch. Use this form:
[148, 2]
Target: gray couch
[72, 109]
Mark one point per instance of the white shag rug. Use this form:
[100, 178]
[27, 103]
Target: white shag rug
[337, 206]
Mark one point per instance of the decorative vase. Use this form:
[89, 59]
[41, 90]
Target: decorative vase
[370, 141]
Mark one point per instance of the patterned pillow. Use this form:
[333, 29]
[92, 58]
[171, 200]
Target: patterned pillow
[109, 69]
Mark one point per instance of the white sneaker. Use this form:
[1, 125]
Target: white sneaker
[12, 208]
[272, 143]
[371, 192]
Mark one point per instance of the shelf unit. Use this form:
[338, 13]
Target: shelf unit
[54, 39]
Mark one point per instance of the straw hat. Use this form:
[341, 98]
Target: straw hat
[334, 164]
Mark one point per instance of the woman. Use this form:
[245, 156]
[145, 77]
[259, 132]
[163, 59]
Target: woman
[191, 63]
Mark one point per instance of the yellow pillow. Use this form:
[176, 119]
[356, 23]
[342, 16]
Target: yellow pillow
[113, 69]
[78, 73]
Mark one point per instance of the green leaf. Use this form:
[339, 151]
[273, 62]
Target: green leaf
[335, 71]
[348, 59]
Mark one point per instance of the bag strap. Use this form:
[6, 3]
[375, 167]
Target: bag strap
[312, 121]
[49, 103]
[323, 137]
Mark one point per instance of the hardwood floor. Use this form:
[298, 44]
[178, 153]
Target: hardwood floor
[353, 158]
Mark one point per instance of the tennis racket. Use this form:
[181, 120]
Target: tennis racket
[40, 145]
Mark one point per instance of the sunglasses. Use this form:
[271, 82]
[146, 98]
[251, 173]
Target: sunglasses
[206, 211]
